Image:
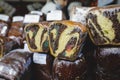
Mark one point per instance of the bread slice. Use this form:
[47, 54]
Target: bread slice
[104, 24]
[66, 39]
[37, 37]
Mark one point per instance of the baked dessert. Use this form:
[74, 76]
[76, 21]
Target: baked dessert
[14, 64]
[107, 63]
[103, 24]
[37, 36]
[16, 28]
[66, 39]
[6, 45]
[67, 70]
[42, 66]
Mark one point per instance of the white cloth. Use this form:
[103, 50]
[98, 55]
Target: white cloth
[49, 6]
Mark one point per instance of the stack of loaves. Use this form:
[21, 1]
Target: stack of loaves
[103, 25]
[8, 38]
[66, 39]
[37, 41]
[63, 42]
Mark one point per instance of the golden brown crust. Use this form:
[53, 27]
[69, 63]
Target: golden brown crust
[105, 7]
[71, 24]
[1, 50]
[110, 6]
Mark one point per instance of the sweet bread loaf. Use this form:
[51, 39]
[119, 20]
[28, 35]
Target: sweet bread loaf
[6, 45]
[103, 24]
[66, 39]
[16, 28]
[14, 64]
[69, 70]
[37, 37]
[42, 66]
[107, 63]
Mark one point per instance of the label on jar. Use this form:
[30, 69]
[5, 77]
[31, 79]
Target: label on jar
[54, 15]
[39, 58]
[29, 18]
[17, 18]
[4, 17]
